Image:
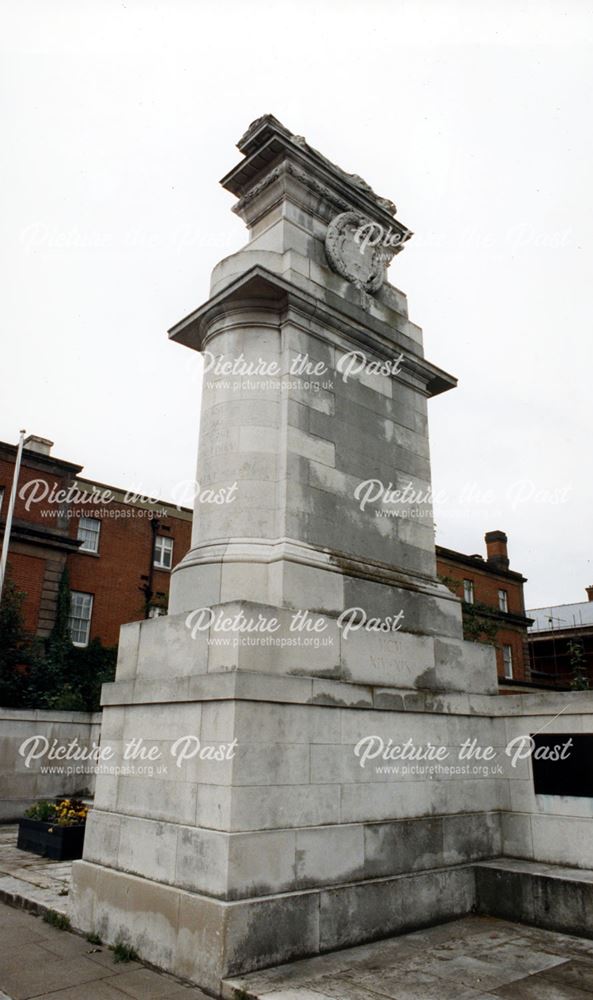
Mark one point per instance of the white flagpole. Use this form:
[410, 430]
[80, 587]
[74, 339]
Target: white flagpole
[10, 512]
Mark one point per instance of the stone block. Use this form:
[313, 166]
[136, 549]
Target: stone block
[471, 837]
[101, 838]
[517, 841]
[148, 848]
[392, 906]
[465, 666]
[329, 854]
[397, 659]
[214, 806]
[200, 941]
[166, 648]
[316, 449]
[284, 806]
[202, 861]
[271, 931]
[403, 846]
[127, 651]
[261, 863]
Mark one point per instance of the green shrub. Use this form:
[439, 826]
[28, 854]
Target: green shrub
[66, 812]
[52, 673]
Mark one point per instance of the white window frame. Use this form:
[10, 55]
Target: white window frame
[468, 589]
[503, 600]
[507, 659]
[163, 547]
[83, 605]
[85, 547]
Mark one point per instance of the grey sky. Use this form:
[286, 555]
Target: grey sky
[119, 118]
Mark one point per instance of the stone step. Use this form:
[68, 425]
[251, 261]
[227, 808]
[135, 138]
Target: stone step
[549, 896]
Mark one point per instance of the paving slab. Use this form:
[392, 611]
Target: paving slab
[39, 961]
[476, 958]
[38, 884]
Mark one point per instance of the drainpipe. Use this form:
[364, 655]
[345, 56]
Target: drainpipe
[147, 587]
[9, 515]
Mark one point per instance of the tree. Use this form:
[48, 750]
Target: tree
[67, 677]
[580, 675]
[48, 676]
[88, 670]
[15, 648]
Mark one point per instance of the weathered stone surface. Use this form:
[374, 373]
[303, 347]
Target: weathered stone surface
[289, 846]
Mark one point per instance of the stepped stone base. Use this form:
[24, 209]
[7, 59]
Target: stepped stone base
[207, 940]
[548, 896]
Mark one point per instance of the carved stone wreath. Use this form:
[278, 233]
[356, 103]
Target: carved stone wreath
[359, 263]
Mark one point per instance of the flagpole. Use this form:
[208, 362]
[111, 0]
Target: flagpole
[10, 512]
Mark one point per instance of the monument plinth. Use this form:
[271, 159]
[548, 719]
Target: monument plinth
[277, 843]
[306, 300]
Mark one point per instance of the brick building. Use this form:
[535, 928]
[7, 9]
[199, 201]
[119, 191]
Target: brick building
[493, 600]
[554, 638]
[119, 549]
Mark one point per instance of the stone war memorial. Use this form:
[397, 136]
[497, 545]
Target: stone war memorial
[312, 757]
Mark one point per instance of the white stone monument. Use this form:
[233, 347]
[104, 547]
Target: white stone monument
[314, 416]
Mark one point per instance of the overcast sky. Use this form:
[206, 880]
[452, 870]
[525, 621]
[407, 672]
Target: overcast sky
[118, 120]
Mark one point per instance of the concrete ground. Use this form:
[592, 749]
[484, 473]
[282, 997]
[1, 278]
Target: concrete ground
[30, 880]
[478, 958]
[472, 959]
[37, 960]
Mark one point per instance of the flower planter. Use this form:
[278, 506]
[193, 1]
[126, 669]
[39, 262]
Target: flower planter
[60, 843]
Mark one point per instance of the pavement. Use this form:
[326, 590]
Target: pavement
[28, 880]
[37, 960]
[477, 958]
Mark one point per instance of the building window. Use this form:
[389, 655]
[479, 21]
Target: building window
[468, 591]
[507, 656]
[503, 600]
[89, 529]
[163, 552]
[1, 498]
[81, 609]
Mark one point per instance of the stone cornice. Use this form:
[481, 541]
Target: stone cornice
[36, 460]
[257, 285]
[272, 152]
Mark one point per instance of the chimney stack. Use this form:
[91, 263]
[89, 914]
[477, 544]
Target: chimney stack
[589, 592]
[40, 445]
[496, 549]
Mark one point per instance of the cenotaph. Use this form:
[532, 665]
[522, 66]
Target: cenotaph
[306, 624]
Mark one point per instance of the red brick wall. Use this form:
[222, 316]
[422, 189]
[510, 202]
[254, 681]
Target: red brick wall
[35, 563]
[125, 547]
[516, 639]
[486, 587]
[114, 575]
[42, 512]
[27, 572]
